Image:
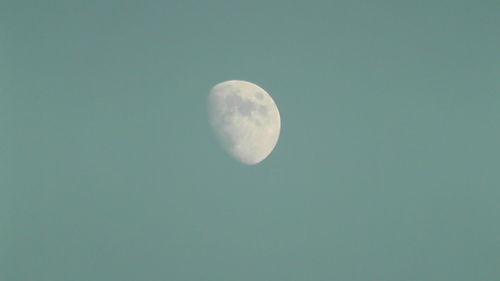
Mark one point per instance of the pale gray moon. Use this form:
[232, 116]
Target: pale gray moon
[245, 119]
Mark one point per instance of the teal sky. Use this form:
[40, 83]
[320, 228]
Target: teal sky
[387, 168]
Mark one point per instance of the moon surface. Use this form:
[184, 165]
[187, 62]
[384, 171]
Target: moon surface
[245, 119]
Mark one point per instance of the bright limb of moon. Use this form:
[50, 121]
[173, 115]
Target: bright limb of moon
[245, 119]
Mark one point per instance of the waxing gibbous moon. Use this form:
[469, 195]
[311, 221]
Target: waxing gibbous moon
[245, 119]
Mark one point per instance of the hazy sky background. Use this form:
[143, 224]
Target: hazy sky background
[387, 167]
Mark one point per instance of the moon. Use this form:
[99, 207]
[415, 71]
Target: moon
[246, 120]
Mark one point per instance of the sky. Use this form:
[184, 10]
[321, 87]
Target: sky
[387, 167]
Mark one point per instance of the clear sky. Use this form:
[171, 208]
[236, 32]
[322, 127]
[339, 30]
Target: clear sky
[387, 168]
